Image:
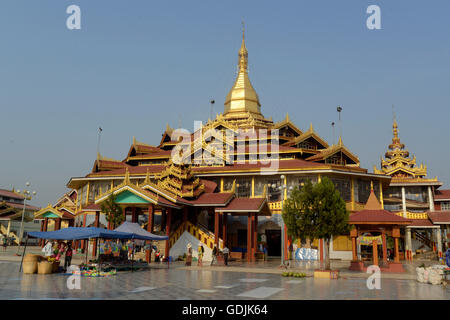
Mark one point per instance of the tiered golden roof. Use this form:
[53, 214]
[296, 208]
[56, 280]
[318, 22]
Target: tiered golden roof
[397, 162]
[179, 179]
[242, 104]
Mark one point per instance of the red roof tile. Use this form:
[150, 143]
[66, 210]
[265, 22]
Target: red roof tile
[440, 217]
[213, 199]
[20, 206]
[243, 204]
[8, 193]
[421, 223]
[376, 216]
[442, 195]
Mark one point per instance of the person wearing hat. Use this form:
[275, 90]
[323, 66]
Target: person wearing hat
[189, 254]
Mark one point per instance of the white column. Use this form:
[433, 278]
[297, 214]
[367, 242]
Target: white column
[404, 202]
[408, 242]
[430, 198]
[439, 240]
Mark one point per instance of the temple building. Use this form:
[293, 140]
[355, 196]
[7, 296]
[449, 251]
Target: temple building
[12, 207]
[413, 196]
[222, 184]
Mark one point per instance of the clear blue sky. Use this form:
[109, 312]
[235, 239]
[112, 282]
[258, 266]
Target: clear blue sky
[136, 65]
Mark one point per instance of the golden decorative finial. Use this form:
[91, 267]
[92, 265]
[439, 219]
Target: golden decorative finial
[134, 140]
[98, 156]
[340, 144]
[126, 179]
[311, 127]
[147, 177]
[287, 117]
[371, 185]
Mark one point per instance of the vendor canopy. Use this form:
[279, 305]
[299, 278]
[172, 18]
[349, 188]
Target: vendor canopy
[135, 229]
[73, 233]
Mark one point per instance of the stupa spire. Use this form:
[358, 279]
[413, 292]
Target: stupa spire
[242, 97]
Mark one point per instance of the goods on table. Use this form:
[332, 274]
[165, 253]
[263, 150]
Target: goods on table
[433, 274]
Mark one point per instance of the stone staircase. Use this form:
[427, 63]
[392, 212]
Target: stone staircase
[199, 232]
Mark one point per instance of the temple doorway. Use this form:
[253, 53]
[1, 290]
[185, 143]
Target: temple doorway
[273, 242]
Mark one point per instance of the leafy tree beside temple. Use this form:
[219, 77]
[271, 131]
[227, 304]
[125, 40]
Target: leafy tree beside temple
[316, 212]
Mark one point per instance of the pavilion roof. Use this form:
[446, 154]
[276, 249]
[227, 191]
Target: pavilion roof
[373, 213]
[247, 205]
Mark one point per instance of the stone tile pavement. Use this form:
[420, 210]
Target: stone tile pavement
[181, 283]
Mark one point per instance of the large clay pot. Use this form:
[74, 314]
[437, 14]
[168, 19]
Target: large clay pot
[30, 267]
[45, 267]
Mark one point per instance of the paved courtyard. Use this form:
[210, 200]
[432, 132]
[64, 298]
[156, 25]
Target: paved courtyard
[183, 283]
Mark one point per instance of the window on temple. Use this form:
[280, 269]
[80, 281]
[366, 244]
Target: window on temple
[419, 194]
[343, 186]
[445, 206]
[243, 188]
[363, 187]
[338, 159]
[308, 144]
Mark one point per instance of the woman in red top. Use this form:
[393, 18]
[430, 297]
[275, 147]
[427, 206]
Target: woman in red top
[68, 258]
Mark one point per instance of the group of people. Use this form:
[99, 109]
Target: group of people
[201, 253]
[57, 249]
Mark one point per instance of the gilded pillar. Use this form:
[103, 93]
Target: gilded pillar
[381, 195]
[353, 193]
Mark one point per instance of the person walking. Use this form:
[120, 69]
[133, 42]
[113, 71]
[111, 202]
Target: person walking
[68, 257]
[226, 252]
[214, 255]
[189, 255]
[201, 252]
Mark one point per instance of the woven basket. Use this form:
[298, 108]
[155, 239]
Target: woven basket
[45, 267]
[30, 267]
[31, 258]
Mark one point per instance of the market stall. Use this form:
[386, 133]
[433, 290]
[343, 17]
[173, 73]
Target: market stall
[73, 233]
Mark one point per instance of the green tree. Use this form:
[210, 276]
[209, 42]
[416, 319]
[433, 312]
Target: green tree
[316, 212]
[113, 212]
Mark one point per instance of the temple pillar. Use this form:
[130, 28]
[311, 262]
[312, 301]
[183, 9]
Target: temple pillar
[41, 241]
[375, 252]
[58, 224]
[216, 229]
[96, 224]
[396, 254]
[354, 255]
[168, 221]
[439, 241]
[408, 244]
[224, 228]
[249, 237]
[83, 242]
[404, 202]
[255, 235]
[430, 198]
[148, 256]
[383, 237]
